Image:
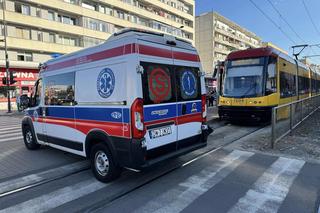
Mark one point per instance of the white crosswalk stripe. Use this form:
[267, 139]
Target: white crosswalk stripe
[195, 185]
[58, 197]
[271, 188]
[10, 130]
[8, 134]
[11, 138]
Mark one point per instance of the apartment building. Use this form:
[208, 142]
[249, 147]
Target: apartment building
[38, 30]
[217, 36]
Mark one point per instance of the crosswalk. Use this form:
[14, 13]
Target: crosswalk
[10, 128]
[227, 181]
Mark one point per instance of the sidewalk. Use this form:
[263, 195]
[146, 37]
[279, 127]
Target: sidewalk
[13, 113]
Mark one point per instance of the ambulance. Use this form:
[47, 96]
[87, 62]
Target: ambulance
[135, 100]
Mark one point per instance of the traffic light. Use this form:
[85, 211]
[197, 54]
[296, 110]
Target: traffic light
[4, 80]
[12, 78]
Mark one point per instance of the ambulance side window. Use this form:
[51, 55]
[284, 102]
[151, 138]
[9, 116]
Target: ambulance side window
[59, 89]
[37, 94]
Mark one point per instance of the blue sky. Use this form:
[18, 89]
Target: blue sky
[245, 14]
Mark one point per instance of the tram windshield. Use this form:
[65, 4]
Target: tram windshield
[243, 81]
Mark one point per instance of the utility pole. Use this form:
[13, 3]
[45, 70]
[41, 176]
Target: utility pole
[6, 54]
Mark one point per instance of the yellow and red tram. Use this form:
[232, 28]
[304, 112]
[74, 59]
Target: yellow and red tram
[256, 80]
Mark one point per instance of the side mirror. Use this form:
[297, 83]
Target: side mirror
[24, 101]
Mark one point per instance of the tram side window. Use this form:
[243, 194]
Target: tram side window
[287, 85]
[271, 86]
[304, 85]
[59, 90]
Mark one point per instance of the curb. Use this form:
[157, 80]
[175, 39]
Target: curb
[21, 183]
[4, 113]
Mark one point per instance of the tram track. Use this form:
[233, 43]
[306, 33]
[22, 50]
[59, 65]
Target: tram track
[206, 151]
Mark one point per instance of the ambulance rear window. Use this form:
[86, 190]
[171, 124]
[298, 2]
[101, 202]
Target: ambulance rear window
[158, 81]
[188, 83]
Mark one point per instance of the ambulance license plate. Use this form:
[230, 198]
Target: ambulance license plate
[156, 133]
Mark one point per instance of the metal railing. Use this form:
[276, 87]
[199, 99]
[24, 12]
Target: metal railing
[287, 117]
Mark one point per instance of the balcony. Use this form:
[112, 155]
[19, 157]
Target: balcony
[36, 22]
[18, 43]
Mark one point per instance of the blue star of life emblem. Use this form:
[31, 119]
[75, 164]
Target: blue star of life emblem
[189, 85]
[105, 83]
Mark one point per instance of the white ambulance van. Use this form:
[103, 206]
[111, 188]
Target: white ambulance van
[135, 100]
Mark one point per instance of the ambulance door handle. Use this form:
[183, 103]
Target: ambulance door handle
[184, 109]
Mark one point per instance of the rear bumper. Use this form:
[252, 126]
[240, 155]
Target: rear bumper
[134, 155]
[236, 113]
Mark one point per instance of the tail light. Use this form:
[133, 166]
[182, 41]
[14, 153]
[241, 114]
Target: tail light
[137, 120]
[204, 108]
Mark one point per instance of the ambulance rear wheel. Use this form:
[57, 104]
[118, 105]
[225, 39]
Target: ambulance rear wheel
[103, 166]
[29, 139]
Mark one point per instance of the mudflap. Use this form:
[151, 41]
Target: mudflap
[206, 131]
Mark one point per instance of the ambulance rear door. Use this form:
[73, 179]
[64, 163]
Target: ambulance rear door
[188, 86]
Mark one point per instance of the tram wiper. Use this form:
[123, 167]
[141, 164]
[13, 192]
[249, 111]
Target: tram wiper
[253, 86]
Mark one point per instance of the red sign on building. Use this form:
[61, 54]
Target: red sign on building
[25, 80]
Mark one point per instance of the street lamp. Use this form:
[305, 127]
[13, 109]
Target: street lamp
[6, 53]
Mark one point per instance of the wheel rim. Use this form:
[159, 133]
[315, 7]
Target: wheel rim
[101, 163]
[29, 136]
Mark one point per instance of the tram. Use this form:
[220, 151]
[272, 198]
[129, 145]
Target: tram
[256, 80]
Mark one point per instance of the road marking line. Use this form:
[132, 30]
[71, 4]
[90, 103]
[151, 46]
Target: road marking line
[186, 192]
[10, 139]
[269, 191]
[58, 197]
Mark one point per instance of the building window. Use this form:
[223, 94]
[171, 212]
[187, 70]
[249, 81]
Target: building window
[66, 20]
[25, 9]
[89, 6]
[24, 56]
[38, 12]
[40, 36]
[21, 8]
[51, 16]
[72, 1]
[22, 33]
[52, 38]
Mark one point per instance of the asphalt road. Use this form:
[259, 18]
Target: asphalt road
[213, 179]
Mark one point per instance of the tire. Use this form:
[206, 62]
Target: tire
[29, 138]
[103, 165]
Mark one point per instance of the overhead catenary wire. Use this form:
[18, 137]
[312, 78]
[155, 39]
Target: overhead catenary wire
[312, 22]
[290, 26]
[310, 17]
[272, 21]
[285, 20]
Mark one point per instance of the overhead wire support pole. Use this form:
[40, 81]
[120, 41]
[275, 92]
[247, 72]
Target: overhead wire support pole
[6, 54]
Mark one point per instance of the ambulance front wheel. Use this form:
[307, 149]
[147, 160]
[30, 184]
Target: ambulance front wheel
[29, 138]
[103, 166]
